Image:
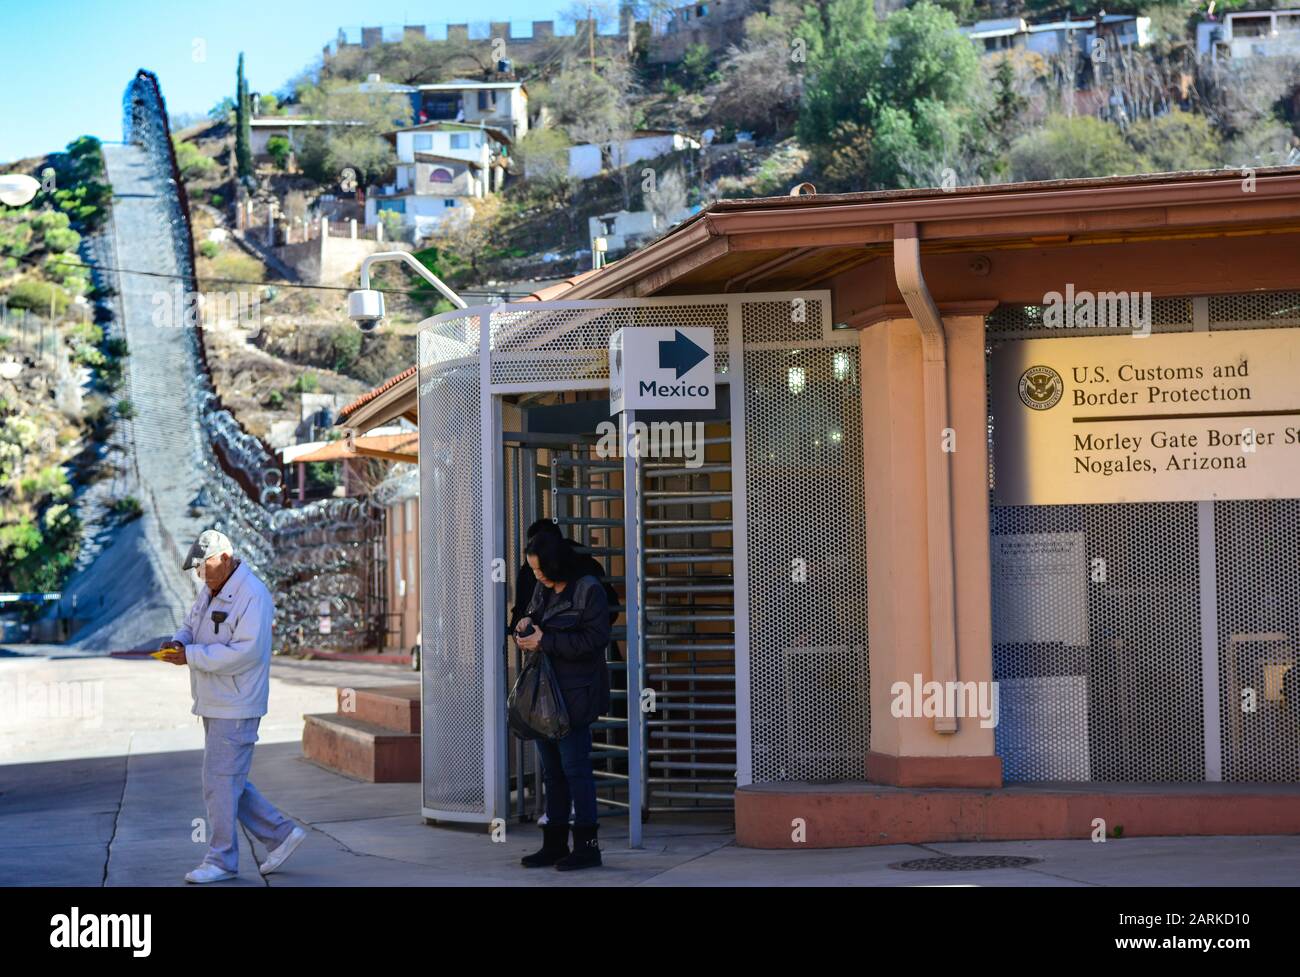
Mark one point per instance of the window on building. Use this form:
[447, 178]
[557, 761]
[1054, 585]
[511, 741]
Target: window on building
[487, 100]
[440, 175]
[395, 205]
[1252, 26]
[460, 140]
[422, 141]
[441, 105]
[449, 202]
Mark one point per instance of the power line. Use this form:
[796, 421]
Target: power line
[279, 283]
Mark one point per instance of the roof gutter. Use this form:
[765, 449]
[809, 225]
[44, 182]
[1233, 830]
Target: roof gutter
[848, 219]
[938, 461]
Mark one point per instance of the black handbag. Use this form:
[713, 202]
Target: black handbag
[536, 707]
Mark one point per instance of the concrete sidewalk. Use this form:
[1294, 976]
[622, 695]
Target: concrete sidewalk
[114, 802]
[128, 821]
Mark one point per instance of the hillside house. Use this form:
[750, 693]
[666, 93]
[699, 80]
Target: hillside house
[441, 166]
[1057, 37]
[1250, 34]
[501, 105]
[587, 159]
[292, 128]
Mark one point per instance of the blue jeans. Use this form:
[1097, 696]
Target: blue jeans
[231, 796]
[566, 771]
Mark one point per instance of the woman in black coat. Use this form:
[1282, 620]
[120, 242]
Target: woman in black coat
[568, 621]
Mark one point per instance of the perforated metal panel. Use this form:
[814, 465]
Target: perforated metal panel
[1127, 700]
[451, 551]
[807, 598]
[782, 322]
[1124, 702]
[1257, 545]
[801, 656]
[572, 342]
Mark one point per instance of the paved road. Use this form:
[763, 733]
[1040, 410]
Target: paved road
[112, 801]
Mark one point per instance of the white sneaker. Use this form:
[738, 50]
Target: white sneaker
[207, 872]
[286, 848]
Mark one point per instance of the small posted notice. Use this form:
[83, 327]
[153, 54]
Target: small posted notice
[1040, 588]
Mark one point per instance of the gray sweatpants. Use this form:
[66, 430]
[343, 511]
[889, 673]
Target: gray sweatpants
[230, 795]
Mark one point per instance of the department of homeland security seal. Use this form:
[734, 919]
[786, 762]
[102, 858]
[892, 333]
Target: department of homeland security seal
[1040, 387]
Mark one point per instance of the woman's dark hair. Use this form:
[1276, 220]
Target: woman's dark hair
[543, 527]
[555, 557]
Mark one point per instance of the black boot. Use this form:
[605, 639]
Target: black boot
[586, 853]
[555, 845]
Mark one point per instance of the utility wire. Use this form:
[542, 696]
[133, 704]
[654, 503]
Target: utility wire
[280, 283]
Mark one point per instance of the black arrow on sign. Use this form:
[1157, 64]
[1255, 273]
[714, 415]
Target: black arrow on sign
[680, 354]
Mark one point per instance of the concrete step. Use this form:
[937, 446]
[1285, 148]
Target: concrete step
[392, 707]
[362, 750]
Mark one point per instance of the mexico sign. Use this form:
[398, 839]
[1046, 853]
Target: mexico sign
[661, 368]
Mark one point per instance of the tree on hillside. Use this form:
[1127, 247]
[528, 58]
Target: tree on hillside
[1176, 141]
[759, 85]
[243, 127]
[1008, 103]
[901, 99]
[1240, 95]
[667, 199]
[594, 108]
[1072, 148]
[468, 233]
[358, 145]
[544, 155]
[598, 108]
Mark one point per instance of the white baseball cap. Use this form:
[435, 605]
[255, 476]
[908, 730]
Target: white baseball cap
[210, 543]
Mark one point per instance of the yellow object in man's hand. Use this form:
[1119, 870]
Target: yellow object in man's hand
[172, 652]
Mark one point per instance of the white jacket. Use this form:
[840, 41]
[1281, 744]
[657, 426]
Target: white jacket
[230, 661]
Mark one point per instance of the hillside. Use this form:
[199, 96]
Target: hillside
[846, 95]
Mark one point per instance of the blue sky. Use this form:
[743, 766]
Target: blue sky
[65, 63]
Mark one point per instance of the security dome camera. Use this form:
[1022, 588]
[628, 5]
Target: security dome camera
[366, 308]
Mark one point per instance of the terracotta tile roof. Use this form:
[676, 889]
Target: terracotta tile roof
[405, 444]
[370, 395]
[559, 288]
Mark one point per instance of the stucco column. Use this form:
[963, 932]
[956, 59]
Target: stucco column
[905, 749]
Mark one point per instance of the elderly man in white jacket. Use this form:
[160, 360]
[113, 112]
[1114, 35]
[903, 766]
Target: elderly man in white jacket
[226, 642]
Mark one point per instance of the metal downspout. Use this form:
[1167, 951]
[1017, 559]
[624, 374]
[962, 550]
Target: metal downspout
[938, 462]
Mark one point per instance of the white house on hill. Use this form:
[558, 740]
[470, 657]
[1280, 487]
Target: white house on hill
[586, 159]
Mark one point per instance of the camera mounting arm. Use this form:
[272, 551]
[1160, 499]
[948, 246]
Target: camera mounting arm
[366, 306]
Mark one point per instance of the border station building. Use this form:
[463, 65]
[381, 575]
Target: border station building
[993, 530]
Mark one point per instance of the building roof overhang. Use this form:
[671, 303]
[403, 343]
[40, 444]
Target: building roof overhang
[793, 242]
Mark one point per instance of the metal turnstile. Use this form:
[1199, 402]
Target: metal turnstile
[689, 639]
[686, 610]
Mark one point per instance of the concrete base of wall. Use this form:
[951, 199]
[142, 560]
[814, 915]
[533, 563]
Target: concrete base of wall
[934, 771]
[851, 815]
